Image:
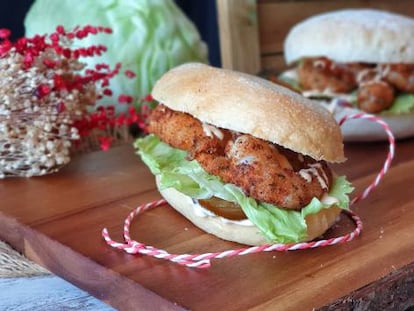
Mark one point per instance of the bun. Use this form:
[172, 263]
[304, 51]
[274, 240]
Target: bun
[249, 235]
[363, 35]
[249, 104]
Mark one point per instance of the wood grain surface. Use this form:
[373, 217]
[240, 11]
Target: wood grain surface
[239, 41]
[56, 220]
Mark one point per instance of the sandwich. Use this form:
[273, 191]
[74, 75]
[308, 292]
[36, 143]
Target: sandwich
[243, 158]
[356, 60]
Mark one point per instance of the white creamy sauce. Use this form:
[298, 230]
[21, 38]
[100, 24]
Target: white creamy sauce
[364, 75]
[290, 74]
[329, 200]
[323, 181]
[244, 222]
[319, 64]
[314, 170]
[212, 131]
[200, 211]
[385, 70]
[305, 174]
[247, 160]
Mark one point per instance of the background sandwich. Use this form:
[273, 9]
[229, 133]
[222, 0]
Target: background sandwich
[243, 158]
[360, 58]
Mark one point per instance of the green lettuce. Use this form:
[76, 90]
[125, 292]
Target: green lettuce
[149, 36]
[403, 104]
[277, 225]
[292, 82]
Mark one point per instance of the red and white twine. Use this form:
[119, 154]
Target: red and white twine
[390, 155]
[204, 260]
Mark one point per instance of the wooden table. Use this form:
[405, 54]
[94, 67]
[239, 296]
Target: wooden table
[56, 220]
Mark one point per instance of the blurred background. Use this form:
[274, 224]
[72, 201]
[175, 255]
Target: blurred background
[201, 13]
[252, 32]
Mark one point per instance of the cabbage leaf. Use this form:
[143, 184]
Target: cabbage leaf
[149, 36]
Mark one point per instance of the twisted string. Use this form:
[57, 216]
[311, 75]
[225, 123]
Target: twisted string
[204, 260]
[390, 154]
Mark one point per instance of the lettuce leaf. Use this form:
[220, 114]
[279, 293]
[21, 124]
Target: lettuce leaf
[291, 81]
[276, 224]
[403, 104]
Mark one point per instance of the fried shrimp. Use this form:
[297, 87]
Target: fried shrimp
[376, 85]
[176, 129]
[264, 171]
[323, 74]
[375, 96]
[399, 75]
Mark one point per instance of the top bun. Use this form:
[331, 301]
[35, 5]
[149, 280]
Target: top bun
[363, 35]
[252, 105]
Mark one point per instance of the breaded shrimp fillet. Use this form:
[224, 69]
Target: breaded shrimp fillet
[265, 171]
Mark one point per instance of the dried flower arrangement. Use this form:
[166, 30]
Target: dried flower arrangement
[47, 101]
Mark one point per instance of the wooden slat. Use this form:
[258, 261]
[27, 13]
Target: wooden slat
[274, 63]
[239, 43]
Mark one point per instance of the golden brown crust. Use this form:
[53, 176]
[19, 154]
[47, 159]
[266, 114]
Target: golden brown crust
[249, 235]
[322, 74]
[249, 104]
[264, 171]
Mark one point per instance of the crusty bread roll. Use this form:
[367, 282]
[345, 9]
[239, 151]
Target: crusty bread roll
[248, 104]
[250, 235]
[353, 35]
[254, 106]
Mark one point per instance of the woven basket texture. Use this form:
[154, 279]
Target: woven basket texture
[13, 264]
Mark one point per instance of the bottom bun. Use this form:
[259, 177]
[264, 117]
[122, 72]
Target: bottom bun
[365, 130]
[241, 233]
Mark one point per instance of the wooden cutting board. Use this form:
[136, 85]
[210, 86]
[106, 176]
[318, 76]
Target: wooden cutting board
[56, 220]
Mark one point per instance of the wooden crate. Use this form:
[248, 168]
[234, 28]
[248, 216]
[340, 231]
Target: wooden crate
[252, 32]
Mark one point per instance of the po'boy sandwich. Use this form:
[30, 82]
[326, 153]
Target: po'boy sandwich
[243, 158]
[356, 60]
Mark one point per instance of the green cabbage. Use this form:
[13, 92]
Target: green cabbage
[276, 224]
[149, 36]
